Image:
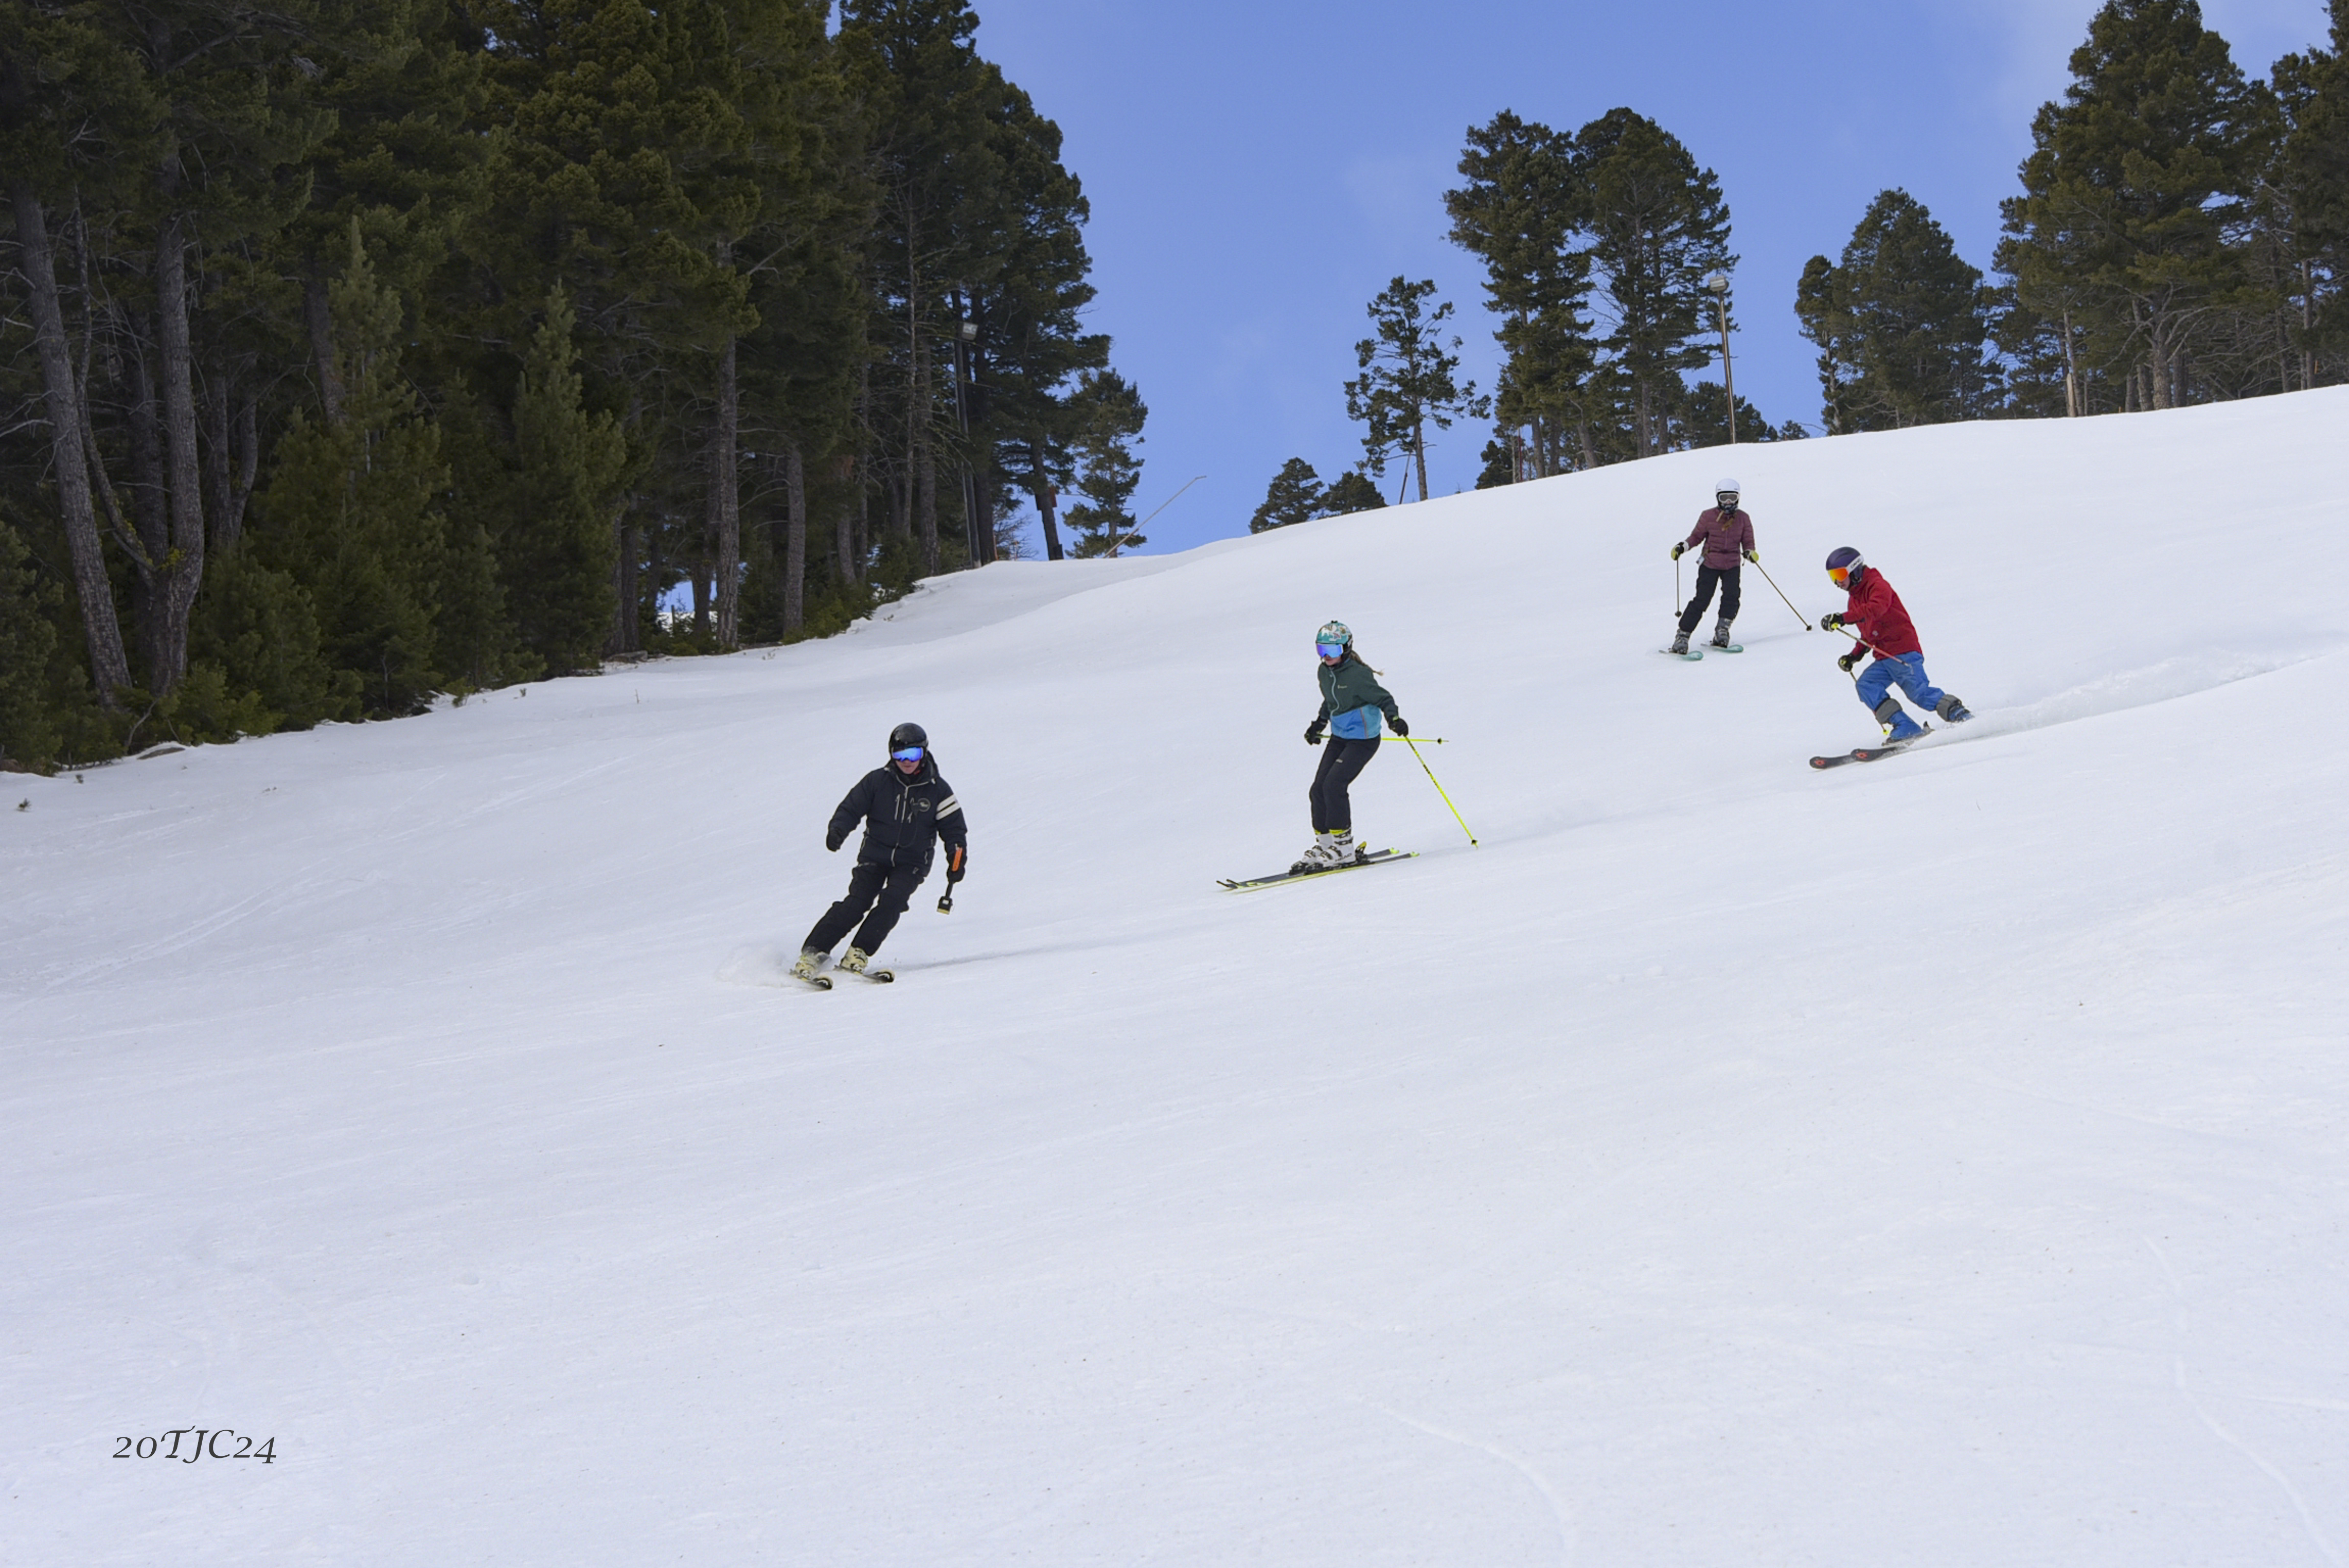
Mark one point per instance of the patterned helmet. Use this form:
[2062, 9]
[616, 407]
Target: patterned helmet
[1335, 633]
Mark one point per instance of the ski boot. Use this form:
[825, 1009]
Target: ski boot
[1951, 710]
[1721, 632]
[1318, 857]
[1344, 852]
[810, 967]
[855, 960]
[1679, 642]
[1898, 727]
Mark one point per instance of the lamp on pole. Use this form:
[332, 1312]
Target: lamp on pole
[1719, 284]
[967, 334]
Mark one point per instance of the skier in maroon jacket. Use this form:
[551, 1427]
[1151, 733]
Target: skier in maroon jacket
[1876, 616]
[1726, 534]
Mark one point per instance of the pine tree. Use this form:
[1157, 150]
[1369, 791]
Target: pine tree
[1901, 322]
[1407, 381]
[1112, 414]
[1293, 496]
[555, 550]
[2131, 184]
[2311, 181]
[1521, 211]
[1660, 226]
[353, 508]
[1350, 492]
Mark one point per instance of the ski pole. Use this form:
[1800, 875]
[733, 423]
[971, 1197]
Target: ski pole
[1782, 593]
[1414, 742]
[1676, 584]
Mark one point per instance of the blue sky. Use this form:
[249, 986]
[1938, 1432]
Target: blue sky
[1258, 171]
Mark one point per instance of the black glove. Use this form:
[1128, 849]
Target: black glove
[1399, 727]
[958, 862]
[1849, 659]
[1829, 621]
[1313, 733]
[1755, 556]
[833, 841]
[1676, 551]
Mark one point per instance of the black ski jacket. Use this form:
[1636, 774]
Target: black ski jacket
[903, 817]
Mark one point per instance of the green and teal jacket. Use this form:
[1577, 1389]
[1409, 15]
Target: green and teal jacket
[1352, 699]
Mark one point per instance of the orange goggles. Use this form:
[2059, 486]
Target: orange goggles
[1839, 575]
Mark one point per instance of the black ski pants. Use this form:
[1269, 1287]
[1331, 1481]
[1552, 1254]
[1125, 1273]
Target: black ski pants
[884, 890]
[1342, 761]
[1706, 576]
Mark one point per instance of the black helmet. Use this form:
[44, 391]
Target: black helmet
[1846, 561]
[908, 736]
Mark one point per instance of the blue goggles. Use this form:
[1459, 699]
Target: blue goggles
[1332, 650]
[911, 754]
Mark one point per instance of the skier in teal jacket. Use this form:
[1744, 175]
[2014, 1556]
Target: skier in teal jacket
[1352, 703]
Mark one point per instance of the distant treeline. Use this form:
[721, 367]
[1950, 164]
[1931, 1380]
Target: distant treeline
[354, 351]
[2182, 237]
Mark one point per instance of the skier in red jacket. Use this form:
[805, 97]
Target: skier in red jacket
[1876, 616]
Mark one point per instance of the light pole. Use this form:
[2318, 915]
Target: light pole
[1719, 284]
[966, 335]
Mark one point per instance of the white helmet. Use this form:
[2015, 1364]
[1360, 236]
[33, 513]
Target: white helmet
[1726, 487]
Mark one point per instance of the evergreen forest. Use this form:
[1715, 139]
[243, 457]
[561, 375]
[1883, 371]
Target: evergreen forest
[364, 352]
[2181, 235]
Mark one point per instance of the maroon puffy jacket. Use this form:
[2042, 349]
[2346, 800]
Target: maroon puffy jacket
[1724, 534]
[1877, 615]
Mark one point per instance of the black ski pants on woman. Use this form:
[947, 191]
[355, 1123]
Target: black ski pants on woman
[1706, 576]
[884, 890]
[1342, 761]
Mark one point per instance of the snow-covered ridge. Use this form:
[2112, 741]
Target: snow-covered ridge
[1939, 1161]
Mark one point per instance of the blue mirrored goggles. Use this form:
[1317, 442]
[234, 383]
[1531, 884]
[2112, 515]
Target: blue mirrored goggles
[911, 754]
[1332, 650]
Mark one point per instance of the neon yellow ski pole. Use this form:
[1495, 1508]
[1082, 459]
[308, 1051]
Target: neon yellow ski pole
[1415, 742]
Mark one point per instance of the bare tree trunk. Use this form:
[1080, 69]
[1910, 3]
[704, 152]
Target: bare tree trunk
[2071, 370]
[319, 316]
[102, 632]
[248, 465]
[925, 467]
[1418, 453]
[219, 482]
[726, 500]
[184, 569]
[150, 514]
[844, 545]
[794, 539]
[628, 587]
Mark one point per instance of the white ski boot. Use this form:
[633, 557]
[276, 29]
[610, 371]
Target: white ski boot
[855, 960]
[1320, 857]
[810, 967]
[1343, 850]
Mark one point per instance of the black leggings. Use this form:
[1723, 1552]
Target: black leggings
[893, 888]
[1341, 761]
[1706, 576]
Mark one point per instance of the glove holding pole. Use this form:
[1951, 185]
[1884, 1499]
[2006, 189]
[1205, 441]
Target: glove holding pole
[958, 861]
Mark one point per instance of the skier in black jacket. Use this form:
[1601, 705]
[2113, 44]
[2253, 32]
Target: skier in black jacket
[904, 805]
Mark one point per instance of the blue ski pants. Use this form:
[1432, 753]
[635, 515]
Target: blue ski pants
[1908, 673]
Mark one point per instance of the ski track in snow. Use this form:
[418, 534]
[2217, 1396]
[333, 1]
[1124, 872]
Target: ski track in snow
[1755, 1169]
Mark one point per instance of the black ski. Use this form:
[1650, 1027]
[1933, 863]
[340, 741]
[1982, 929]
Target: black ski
[1376, 858]
[878, 976]
[1872, 753]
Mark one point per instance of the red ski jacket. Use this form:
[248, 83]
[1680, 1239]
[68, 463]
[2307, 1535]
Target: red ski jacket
[1877, 615]
[1724, 534]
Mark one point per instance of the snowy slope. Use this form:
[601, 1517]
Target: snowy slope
[1935, 1162]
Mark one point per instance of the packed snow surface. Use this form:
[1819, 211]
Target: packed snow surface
[1939, 1161]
